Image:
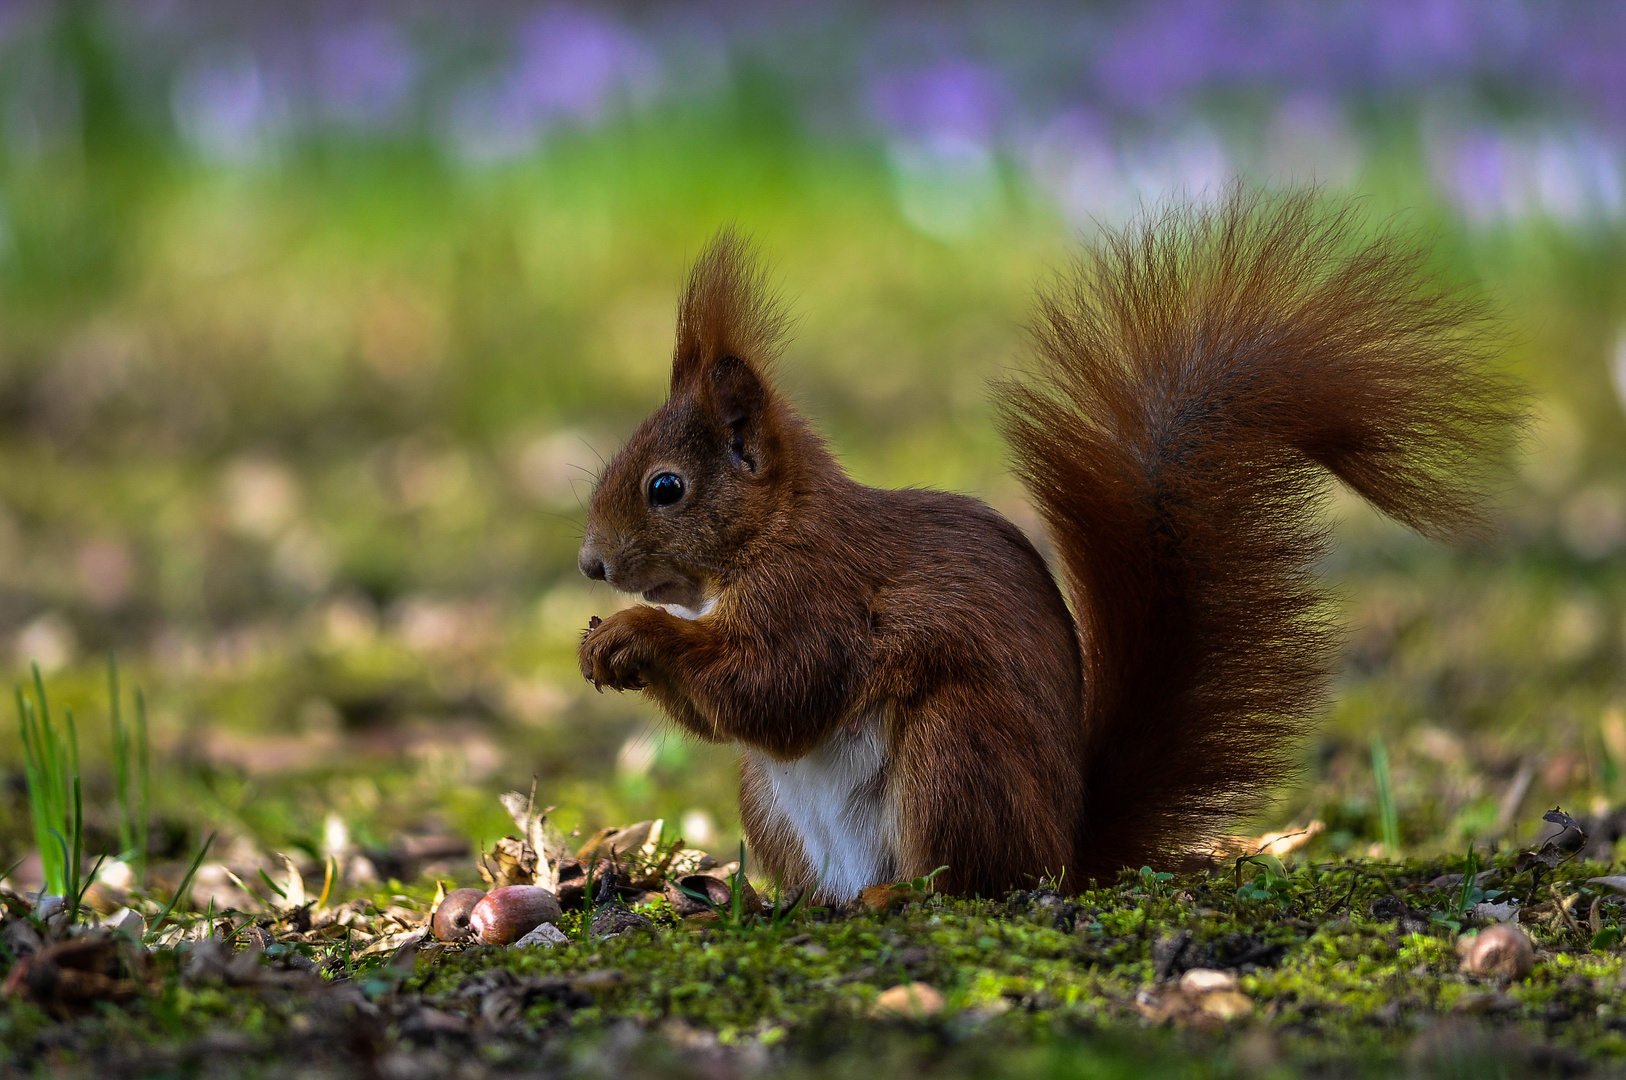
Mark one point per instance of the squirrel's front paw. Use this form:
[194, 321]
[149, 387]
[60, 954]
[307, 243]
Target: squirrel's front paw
[609, 655]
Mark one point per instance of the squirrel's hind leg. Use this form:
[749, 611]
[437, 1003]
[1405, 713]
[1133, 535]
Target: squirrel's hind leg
[981, 794]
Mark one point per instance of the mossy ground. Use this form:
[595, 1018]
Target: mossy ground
[1033, 985]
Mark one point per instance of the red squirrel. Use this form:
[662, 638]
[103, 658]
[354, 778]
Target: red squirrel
[909, 685]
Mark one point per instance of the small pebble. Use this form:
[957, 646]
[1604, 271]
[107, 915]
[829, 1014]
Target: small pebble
[545, 936]
[126, 920]
[1202, 980]
[617, 918]
[256, 937]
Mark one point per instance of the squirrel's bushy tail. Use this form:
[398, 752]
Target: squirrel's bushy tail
[1201, 374]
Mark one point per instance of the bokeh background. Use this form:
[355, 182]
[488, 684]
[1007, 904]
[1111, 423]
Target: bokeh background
[316, 320]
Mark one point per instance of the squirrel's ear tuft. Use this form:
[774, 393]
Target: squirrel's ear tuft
[741, 399]
[728, 310]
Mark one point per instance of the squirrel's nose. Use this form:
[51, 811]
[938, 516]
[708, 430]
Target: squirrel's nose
[590, 562]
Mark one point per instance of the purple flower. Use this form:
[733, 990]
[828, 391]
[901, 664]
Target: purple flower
[1172, 49]
[227, 106]
[1476, 175]
[1571, 175]
[1075, 160]
[955, 100]
[1422, 40]
[364, 73]
[573, 62]
[572, 65]
[1588, 58]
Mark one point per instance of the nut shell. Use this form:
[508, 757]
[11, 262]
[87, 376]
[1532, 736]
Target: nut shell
[684, 904]
[1501, 950]
[451, 921]
[716, 889]
[505, 915]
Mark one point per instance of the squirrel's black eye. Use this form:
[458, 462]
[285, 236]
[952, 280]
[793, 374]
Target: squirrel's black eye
[665, 489]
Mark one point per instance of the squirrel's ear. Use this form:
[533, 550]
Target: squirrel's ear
[741, 399]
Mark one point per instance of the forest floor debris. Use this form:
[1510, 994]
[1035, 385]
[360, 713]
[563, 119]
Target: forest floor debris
[1353, 963]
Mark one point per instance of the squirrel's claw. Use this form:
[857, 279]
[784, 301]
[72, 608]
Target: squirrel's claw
[606, 656]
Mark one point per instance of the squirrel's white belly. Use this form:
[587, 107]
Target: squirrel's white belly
[836, 800]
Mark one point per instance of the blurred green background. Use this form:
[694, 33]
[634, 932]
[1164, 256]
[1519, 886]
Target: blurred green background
[316, 323]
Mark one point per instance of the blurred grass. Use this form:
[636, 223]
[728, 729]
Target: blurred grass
[305, 440]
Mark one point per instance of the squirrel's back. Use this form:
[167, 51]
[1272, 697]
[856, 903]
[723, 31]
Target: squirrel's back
[1202, 375]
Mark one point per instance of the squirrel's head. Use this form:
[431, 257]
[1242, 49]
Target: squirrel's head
[675, 513]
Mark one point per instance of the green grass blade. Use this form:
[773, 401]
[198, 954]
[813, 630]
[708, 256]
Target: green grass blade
[54, 792]
[53, 770]
[121, 759]
[587, 902]
[1388, 819]
[72, 892]
[61, 846]
[73, 747]
[182, 888]
[141, 819]
[1470, 871]
[33, 774]
[43, 807]
[736, 902]
[273, 886]
[84, 887]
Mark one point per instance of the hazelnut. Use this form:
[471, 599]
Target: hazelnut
[507, 914]
[452, 916]
[1501, 950]
[909, 1001]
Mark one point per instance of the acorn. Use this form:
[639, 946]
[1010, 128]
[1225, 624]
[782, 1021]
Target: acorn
[1501, 949]
[507, 914]
[452, 916]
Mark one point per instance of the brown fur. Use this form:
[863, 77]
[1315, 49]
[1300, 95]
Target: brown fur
[1199, 377]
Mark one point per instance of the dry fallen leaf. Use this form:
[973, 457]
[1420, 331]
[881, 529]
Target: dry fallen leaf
[879, 898]
[544, 838]
[294, 889]
[629, 843]
[1282, 843]
[392, 943]
[516, 862]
